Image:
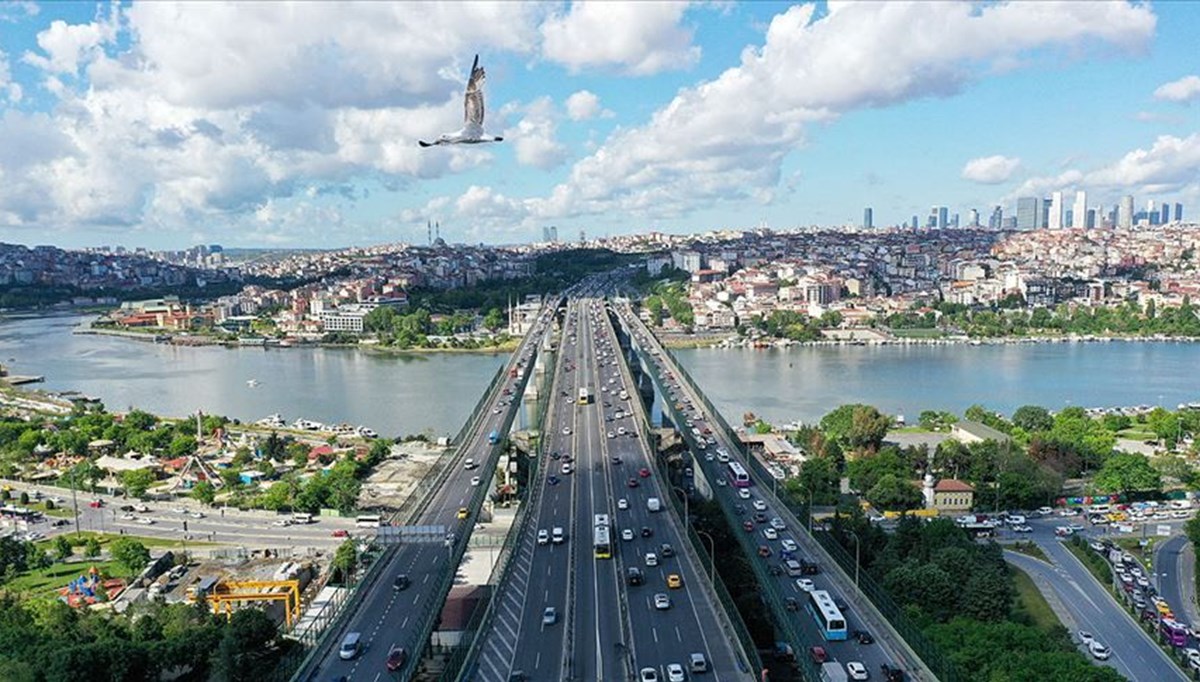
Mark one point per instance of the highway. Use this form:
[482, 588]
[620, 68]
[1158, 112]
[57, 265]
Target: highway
[1175, 577]
[605, 629]
[758, 506]
[386, 617]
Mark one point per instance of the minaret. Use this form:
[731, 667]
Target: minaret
[928, 491]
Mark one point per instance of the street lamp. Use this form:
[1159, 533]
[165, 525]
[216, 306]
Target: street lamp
[810, 510]
[856, 563]
[712, 553]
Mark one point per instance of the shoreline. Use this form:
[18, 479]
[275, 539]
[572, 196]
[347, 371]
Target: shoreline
[676, 342]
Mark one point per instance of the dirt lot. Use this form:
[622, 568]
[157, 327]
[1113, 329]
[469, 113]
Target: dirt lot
[394, 480]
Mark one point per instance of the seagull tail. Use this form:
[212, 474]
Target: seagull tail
[497, 138]
[423, 143]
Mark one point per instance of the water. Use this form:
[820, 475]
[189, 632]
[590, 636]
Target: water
[401, 394]
[392, 394]
[805, 383]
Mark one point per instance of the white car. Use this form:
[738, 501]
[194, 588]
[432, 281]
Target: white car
[622, 503]
[543, 537]
[648, 675]
[611, 434]
[566, 469]
[675, 672]
[778, 524]
[770, 534]
[662, 602]
[128, 517]
[196, 515]
[566, 430]
[145, 521]
[1099, 651]
[805, 584]
[180, 510]
[627, 534]
[759, 505]
[788, 545]
[474, 481]
[281, 523]
[1086, 637]
[651, 559]
[857, 671]
[743, 493]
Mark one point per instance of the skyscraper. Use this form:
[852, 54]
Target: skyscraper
[996, 221]
[1164, 214]
[943, 217]
[1179, 213]
[915, 224]
[868, 218]
[972, 218]
[1125, 212]
[1055, 220]
[1029, 215]
[1079, 212]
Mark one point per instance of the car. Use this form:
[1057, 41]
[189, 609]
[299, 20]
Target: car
[543, 536]
[748, 526]
[96, 504]
[759, 505]
[648, 675]
[496, 410]
[633, 483]
[1022, 529]
[128, 517]
[622, 503]
[644, 472]
[651, 559]
[863, 637]
[196, 515]
[770, 533]
[611, 434]
[1086, 637]
[818, 654]
[475, 481]
[778, 524]
[401, 582]
[145, 521]
[662, 602]
[396, 658]
[282, 523]
[615, 460]
[764, 551]
[555, 455]
[339, 533]
[627, 534]
[805, 584]
[566, 469]
[857, 671]
[788, 545]
[552, 479]
[141, 508]
[674, 581]
[462, 513]
[1099, 651]
[549, 616]
[647, 532]
[721, 482]
[634, 575]
[675, 672]
[667, 550]
[743, 493]
[760, 517]
[891, 674]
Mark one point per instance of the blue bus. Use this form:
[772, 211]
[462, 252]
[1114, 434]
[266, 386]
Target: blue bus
[494, 437]
[829, 618]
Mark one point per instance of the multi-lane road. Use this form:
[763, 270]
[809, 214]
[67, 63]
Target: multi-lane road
[388, 618]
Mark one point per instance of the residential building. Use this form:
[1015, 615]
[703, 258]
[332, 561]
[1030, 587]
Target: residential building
[967, 431]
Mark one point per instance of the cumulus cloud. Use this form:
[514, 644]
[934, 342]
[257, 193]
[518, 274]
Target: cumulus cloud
[1183, 90]
[1171, 164]
[638, 38]
[990, 170]
[67, 47]
[534, 136]
[12, 11]
[725, 139]
[585, 105]
[9, 90]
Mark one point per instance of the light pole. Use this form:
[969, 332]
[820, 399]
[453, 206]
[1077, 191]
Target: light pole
[856, 547]
[810, 510]
[712, 553]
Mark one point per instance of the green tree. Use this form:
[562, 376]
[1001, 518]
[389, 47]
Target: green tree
[856, 426]
[893, 493]
[343, 561]
[204, 492]
[1032, 418]
[130, 554]
[493, 320]
[137, 481]
[818, 475]
[91, 548]
[62, 548]
[182, 445]
[1127, 472]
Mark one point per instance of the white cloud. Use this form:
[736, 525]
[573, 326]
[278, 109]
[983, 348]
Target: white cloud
[585, 105]
[67, 47]
[1171, 164]
[534, 136]
[12, 11]
[1183, 90]
[639, 38]
[725, 139]
[990, 170]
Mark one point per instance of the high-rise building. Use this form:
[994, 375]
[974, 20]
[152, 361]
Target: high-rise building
[1179, 213]
[1079, 212]
[1090, 222]
[996, 220]
[915, 224]
[1164, 214]
[1045, 213]
[868, 221]
[1055, 220]
[943, 217]
[1125, 212]
[1029, 214]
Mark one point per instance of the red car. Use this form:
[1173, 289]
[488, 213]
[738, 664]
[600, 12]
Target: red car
[340, 533]
[633, 483]
[817, 654]
[748, 526]
[96, 504]
[644, 472]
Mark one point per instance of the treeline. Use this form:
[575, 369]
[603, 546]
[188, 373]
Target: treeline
[668, 298]
[48, 641]
[401, 329]
[961, 594]
[789, 324]
[1126, 319]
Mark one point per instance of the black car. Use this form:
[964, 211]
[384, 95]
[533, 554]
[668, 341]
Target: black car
[616, 460]
[891, 674]
[841, 604]
[760, 517]
[552, 479]
[647, 531]
[401, 583]
[863, 637]
[667, 550]
[635, 575]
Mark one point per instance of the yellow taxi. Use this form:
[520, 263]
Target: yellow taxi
[674, 581]
[462, 512]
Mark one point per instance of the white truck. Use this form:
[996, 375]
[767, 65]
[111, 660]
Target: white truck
[833, 672]
[654, 504]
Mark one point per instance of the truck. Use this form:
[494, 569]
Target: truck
[653, 504]
[494, 437]
[833, 672]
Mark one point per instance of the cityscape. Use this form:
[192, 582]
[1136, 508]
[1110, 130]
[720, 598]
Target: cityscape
[722, 341]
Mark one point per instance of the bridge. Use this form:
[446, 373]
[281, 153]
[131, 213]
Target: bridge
[560, 604]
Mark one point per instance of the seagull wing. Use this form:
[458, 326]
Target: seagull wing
[473, 102]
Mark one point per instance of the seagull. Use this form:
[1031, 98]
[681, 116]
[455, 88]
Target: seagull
[472, 130]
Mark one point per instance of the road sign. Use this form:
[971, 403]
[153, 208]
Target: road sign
[1164, 531]
[411, 534]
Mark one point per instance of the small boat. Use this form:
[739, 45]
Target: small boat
[252, 382]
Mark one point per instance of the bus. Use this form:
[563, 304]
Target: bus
[1174, 632]
[302, 517]
[738, 476]
[369, 521]
[585, 396]
[602, 537]
[829, 618]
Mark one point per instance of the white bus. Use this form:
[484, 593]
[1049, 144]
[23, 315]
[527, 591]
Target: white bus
[829, 618]
[302, 517]
[585, 396]
[602, 537]
[738, 476]
[369, 521]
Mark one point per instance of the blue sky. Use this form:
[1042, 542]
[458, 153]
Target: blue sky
[162, 125]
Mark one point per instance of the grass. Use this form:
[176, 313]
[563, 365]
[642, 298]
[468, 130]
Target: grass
[914, 429]
[917, 333]
[1029, 548]
[1094, 562]
[48, 580]
[107, 538]
[1134, 547]
[1137, 434]
[1031, 602]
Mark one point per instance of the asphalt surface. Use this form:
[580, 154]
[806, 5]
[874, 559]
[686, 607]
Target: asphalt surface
[1175, 570]
[1092, 607]
[677, 392]
[387, 618]
[605, 629]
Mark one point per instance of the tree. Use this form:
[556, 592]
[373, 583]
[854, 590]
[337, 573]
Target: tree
[91, 548]
[182, 445]
[1128, 472]
[130, 553]
[204, 492]
[493, 320]
[893, 493]
[62, 548]
[137, 481]
[1033, 418]
[24, 498]
[818, 475]
[856, 426]
[138, 420]
[343, 561]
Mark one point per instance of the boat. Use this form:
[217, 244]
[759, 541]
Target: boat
[252, 382]
[367, 433]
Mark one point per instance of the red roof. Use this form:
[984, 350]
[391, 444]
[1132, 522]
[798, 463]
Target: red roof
[320, 451]
[953, 485]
